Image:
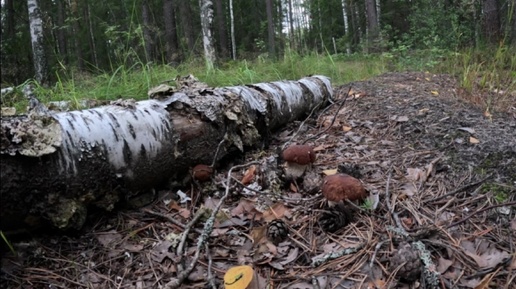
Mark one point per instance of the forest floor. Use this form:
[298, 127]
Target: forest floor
[443, 171]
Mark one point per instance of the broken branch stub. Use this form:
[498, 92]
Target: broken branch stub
[56, 166]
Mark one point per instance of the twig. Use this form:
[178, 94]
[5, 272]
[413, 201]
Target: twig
[168, 218]
[456, 191]
[210, 263]
[376, 249]
[478, 212]
[333, 119]
[334, 255]
[394, 215]
[217, 151]
[206, 232]
[180, 247]
[300, 126]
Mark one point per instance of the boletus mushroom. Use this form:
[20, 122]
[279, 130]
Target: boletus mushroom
[297, 158]
[202, 173]
[339, 187]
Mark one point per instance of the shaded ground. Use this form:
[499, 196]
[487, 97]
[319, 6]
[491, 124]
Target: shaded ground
[444, 172]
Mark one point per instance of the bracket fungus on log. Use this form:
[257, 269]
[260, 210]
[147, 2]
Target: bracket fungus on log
[97, 156]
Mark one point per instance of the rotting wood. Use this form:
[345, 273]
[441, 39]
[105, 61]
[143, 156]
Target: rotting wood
[56, 165]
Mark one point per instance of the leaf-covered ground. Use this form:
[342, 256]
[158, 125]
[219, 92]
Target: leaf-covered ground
[442, 172]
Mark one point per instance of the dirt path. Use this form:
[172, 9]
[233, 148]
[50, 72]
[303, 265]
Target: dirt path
[445, 175]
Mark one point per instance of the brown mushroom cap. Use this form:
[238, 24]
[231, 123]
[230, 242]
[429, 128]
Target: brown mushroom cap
[340, 187]
[202, 172]
[299, 154]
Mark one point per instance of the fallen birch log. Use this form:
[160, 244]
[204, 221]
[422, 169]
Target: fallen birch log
[56, 165]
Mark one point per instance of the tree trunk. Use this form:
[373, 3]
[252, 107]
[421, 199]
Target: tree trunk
[56, 165]
[186, 23]
[207, 38]
[76, 34]
[38, 43]
[233, 41]
[147, 37]
[171, 43]
[291, 34]
[61, 31]
[270, 29]
[372, 25]
[221, 25]
[491, 21]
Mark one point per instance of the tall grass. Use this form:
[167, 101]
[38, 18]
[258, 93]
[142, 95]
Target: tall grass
[136, 80]
[487, 76]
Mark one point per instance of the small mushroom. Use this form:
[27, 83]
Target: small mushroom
[298, 158]
[339, 187]
[202, 173]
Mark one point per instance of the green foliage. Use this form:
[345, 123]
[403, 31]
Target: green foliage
[136, 80]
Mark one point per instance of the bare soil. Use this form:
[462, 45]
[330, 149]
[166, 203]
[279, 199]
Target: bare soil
[443, 171]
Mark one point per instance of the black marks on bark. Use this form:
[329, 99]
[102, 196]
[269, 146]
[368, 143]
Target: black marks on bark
[143, 151]
[114, 132]
[128, 156]
[100, 115]
[134, 114]
[71, 124]
[147, 111]
[114, 119]
[131, 130]
[153, 132]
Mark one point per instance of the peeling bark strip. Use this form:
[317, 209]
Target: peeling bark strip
[56, 165]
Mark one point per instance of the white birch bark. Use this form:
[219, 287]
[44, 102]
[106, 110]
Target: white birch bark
[233, 41]
[207, 38]
[37, 41]
[57, 164]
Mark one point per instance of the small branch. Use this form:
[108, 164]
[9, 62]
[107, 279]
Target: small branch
[333, 119]
[210, 264]
[218, 149]
[180, 247]
[334, 255]
[456, 191]
[206, 232]
[480, 211]
[300, 126]
[167, 217]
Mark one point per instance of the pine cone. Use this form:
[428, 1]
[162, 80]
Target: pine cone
[408, 259]
[277, 231]
[335, 218]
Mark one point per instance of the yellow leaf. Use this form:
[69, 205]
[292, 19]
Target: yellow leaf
[473, 140]
[330, 172]
[346, 128]
[427, 79]
[238, 277]
[434, 92]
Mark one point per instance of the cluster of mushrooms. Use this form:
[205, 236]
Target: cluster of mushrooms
[337, 189]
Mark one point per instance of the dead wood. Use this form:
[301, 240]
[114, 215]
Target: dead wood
[56, 165]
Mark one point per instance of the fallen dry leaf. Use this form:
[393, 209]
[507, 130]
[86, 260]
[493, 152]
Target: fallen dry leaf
[249, 175]
[330, 172]
[434, 92]
[276, 211]
[473, 140]
[443, 265]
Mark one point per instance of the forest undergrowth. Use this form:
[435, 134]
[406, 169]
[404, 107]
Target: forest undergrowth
[486, 76]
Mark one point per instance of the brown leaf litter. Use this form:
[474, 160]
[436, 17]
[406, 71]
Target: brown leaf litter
[442, 172]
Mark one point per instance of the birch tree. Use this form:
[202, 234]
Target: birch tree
[56, 165]
[207, 38]
[37, 40]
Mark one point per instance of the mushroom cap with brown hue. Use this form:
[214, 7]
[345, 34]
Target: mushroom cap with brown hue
[340, 187]
[299, 154]
[202, 173]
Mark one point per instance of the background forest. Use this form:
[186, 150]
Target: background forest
[89, 48]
